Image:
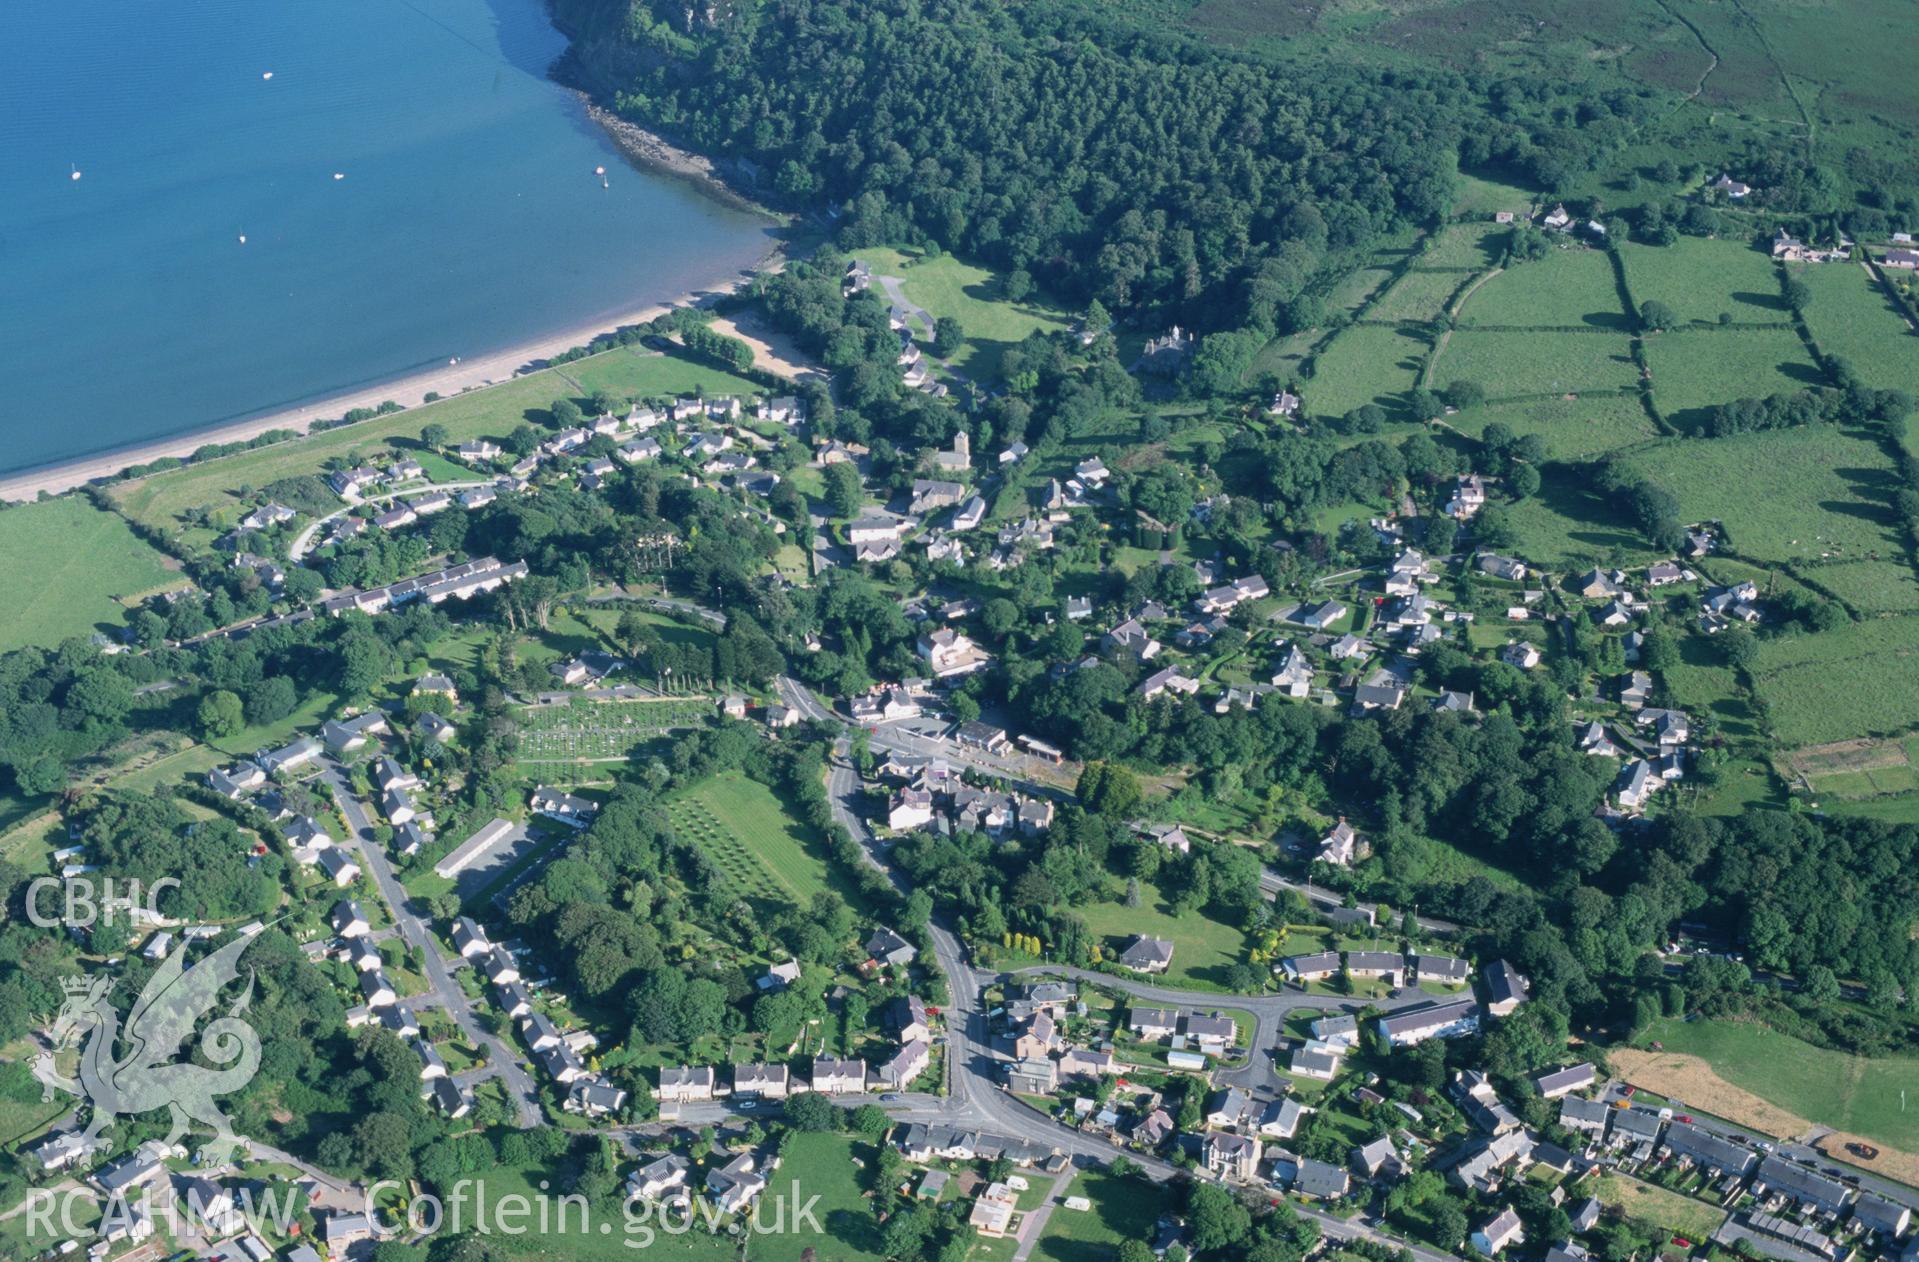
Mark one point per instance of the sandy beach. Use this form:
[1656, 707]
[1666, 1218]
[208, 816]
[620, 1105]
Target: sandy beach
[480, 370]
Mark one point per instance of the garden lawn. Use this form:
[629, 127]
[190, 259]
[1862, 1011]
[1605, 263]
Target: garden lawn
[1537, 363]
[1203, 948]
[1419, 296]
[1694, 371]
[1123, 1209]
[1849, 1093]
[1812, 494]
[1669, 1211]
[1577, 429]
[975, 297]
[66, 567]
[1570, 286]
[755, 840]
[1861, 679]
[1852, 318]
[1700, 278]
[1364, 364]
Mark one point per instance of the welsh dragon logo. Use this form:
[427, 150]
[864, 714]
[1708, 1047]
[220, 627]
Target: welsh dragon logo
[152, 1075]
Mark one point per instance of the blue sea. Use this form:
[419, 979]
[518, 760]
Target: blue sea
[468, 219]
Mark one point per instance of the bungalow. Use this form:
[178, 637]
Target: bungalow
[888, 948]
[1320, 1181]
[498, 966]
[1214, 1033]
[1310, 968]
[1153, 1023]
[1147, 955]
[1337, 1030]
[1079, 1062]
[562, 1064]
[1314, 1062]
[1447, 1019]
[1389, 965]
[540, 1032]
[1320, 617]
[1384, 693]
[1501, 567]
[1558, 1082]
[478, 451]
[1131, 637]
[291, 756]
[1280, 1119]
[949, 652]
[1444, 969]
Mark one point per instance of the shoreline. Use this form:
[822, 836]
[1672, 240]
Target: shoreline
[641, 148]
[408, 391]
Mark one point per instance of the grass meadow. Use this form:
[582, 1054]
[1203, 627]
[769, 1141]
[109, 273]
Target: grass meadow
[1123, 1209]
[1470, 247]
[67, 569]
[1870, 586]
[1852, 318]
[1856, 680]
[1808, 494]
[1693, 371]
[1509, 365]
[1572, 285]
[1366, 363]
[1699, 278]
[1419, 296]
[1576, 429]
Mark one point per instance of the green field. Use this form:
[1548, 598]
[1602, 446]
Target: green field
[1855, 680]
[1203, 948]
[1852, 318]
[1364, 364]
[1850, 1093]
[66, 566]
[1535, 363]
[1570, 524]
[1696, 370]
[161, 499]
[1577, 429]
[1418, 296]
[752, 838]
[1700, 278]
[1809, 494]
[1571, 286]
[1123, 1209]
[1469, 246]
[944, 286]
[1870, 586]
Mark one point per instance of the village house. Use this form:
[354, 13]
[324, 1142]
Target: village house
[681, 1084]
[1147, 955]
